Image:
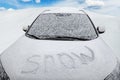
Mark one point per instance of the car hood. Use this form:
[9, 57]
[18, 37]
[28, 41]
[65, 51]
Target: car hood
[30, 59]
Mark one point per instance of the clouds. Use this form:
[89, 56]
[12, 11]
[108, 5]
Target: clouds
[2, 9]
[37, 1]
[100, 6]
[95, 3]
[82, 3]
[108, 7]
[26, 0]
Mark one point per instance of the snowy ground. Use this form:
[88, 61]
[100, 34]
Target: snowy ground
[11, 23]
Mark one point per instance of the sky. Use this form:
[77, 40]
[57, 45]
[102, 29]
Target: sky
[109, 7]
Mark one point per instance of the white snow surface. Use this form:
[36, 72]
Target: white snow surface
[11, 23]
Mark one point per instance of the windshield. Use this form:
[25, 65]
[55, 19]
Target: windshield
[62, 26]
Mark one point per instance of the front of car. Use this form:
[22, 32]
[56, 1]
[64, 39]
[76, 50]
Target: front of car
[59, 46]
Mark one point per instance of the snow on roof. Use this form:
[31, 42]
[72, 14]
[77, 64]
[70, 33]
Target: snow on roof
[63, 10]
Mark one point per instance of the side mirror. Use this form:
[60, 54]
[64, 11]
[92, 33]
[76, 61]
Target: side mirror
[101, 29]
[25, 28]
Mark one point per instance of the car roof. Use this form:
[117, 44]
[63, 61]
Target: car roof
[63, 10]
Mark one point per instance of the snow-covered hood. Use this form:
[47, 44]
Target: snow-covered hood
[29, 59]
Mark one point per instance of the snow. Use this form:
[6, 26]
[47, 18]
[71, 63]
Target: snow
[71, 25]
[11, 23]
[112, 27]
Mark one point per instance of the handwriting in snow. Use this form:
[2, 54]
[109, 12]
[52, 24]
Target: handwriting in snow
[65, 60]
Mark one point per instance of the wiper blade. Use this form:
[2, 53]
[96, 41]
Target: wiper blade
[70, 38]
[57, 38]
[33, 36]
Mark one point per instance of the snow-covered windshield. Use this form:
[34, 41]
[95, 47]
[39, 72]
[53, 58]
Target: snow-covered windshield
[62, 25]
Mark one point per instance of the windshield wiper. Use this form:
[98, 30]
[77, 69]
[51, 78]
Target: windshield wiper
[33, 36]
[71, 38]
[65, 38]
[58, 38]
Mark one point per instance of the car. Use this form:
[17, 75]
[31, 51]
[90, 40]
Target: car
[60, 44]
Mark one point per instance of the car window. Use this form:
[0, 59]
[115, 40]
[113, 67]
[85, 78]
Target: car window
[67, 25]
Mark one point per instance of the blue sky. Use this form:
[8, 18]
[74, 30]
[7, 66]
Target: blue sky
[110, 7]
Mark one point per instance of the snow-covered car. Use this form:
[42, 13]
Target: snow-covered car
[60, 44]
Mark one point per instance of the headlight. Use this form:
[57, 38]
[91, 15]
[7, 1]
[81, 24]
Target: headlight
[3, 74]
[115, 75]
